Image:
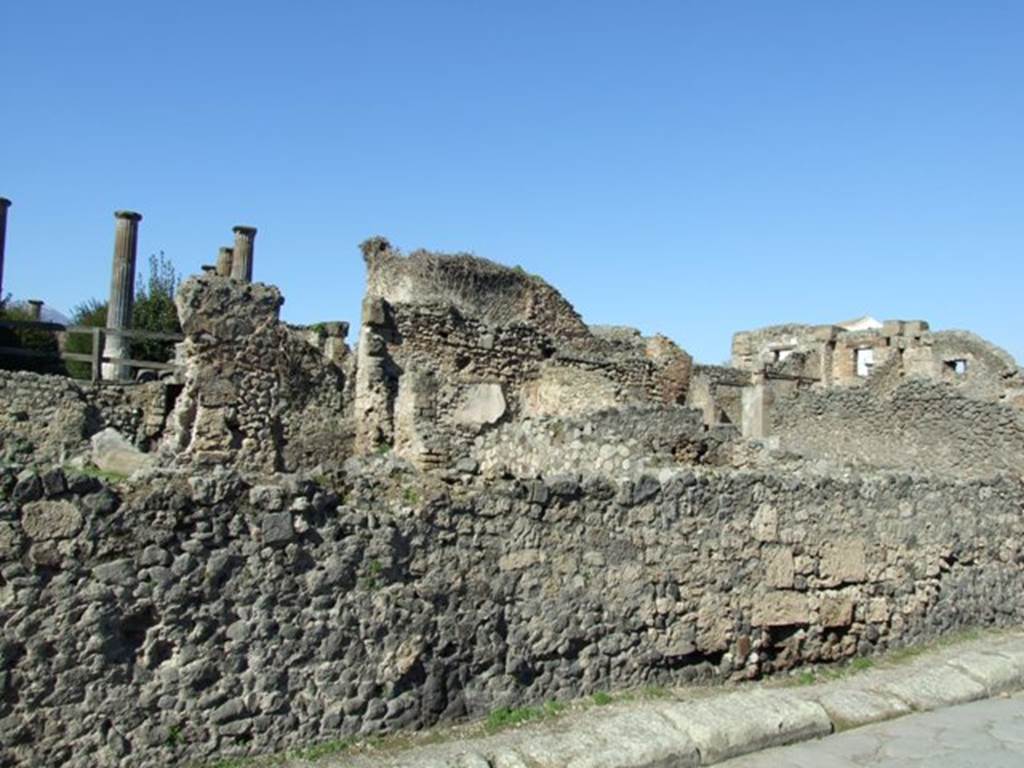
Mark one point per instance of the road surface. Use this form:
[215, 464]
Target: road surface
[983, 734]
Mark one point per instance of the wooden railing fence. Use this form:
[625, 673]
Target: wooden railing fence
[95, 357]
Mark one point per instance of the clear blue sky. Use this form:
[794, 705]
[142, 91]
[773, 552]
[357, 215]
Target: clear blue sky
[687, 167]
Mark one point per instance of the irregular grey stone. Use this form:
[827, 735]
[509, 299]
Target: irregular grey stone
[277, 528]
[115, 572]
[54, 482]
[27, 488]
[44, 520]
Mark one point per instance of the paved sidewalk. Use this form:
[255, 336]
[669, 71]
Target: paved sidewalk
[702, 727]
[984, 734]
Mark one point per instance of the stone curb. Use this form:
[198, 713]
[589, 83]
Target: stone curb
[706, 731]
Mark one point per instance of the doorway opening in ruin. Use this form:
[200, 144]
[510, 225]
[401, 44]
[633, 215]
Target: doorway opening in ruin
[782, 354]
[865, 361]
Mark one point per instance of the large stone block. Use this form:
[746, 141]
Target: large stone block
[111, 452]
[481, 404]
[843, 562]
[781, 609]
[51, 520]
[836, 609]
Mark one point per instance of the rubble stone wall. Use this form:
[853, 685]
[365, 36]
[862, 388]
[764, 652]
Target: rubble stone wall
[616, 443]
[48, 418]
[257, 394]
[452, 345]
[182, 618]
[917, 424]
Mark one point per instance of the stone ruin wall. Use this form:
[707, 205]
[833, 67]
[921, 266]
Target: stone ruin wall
[46, 418]
[257, 394]
[217, 608]
[183, 617]
[452, 345]
[617, 443]
[717, 391]
[917, 425]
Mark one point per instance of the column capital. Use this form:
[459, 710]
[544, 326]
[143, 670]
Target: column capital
[241, 229]
[129, 215]
[4, 202]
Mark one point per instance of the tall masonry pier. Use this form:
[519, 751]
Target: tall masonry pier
[122, 292]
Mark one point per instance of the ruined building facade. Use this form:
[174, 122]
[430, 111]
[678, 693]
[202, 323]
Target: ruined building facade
[483, 503]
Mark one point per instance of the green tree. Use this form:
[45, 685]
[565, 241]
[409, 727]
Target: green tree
[154, 310]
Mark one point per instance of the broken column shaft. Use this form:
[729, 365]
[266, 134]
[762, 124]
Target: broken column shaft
[241, 266]
[225, 258]
[4, 205]
[122, 293]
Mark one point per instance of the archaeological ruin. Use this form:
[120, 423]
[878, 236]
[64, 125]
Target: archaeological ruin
[482, 501]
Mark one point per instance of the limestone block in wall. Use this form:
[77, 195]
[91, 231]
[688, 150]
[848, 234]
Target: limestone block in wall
[564, 391]
[843, 562]
[112, 453]
[781, 609]
[780, 571]
[836, 609]
[481, 404]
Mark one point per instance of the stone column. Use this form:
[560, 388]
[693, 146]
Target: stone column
[241, 266]
[122, 292]
[225, 258]
[757, 400]
[35, 309]
[4, 205]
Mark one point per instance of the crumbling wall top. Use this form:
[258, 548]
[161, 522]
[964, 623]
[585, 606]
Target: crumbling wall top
[496, 294]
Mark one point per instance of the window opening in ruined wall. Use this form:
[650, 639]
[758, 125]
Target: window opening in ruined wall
[782, 354]
[957, 367]
[865, 360]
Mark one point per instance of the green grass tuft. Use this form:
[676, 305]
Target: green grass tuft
[503, 718]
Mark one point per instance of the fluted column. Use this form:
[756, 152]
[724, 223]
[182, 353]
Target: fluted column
[225, 258]
[122, 292]
[4, 205]
[241, 267]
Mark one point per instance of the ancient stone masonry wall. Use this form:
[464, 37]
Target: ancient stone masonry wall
[50, 418]
[452, 345]
[257, 394]
[179, 618]
[717, 390]
[917, 424]
[618, 443]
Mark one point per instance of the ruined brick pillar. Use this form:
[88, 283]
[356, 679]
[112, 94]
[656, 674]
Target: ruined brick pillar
[35, 309]
[241, 267]
[225, 259]
[4, 205]
[122, 292]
